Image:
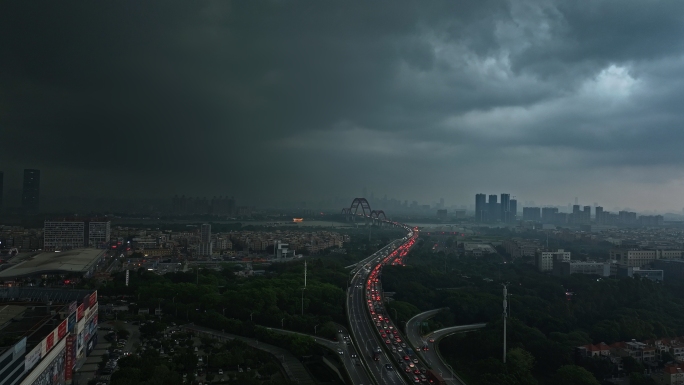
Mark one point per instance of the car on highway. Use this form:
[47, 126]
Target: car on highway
[388, 367]
[340, 352]
[431, 340]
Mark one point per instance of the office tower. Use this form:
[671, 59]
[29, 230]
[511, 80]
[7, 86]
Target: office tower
[586, 215]
[505, 207]
[576, 214]
[1, 179]
[73, 234]
[480, 207]
[599, 215]
[549, 214]
[531, 214]
[493, 206]
[31, 192]
[205, 240]
[513, 210]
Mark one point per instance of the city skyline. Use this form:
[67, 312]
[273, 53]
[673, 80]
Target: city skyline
[421, 103]
[29, 194]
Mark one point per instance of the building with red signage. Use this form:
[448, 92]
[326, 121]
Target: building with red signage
[40, 341]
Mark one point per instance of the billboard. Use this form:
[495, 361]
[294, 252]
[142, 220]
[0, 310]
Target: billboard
[69, 358]
[62, 330]
[19, 348]
[72, 322]
[33, 357]
[93, 298]
[49, 341]
[72, 307]
[80, 312]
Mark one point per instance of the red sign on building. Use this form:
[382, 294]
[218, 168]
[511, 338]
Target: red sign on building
[80, 312]
[50, 341]
[93, 298]
[69, 359]
[61, 330]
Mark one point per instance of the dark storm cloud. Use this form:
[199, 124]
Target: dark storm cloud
[319, 98]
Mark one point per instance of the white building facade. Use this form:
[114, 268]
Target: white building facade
[546, 259]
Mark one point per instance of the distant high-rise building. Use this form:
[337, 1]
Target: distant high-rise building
[480, 207]
[31, 192]
[549, 214]
[1, 181]
[531, 214]
[599, 215]
[505, 207]
[493, 206]
[205, 240]
[513, 210]
[586, 214]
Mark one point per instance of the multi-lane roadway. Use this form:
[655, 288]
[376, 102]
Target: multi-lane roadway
[363, 331]
[383, 350]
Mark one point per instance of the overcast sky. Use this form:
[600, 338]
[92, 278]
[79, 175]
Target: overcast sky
[546, 100]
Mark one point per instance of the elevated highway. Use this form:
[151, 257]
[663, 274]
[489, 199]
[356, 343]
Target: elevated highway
[431, 341]
[362, 328]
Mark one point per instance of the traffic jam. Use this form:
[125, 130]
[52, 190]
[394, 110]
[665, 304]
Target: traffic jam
[403, 355]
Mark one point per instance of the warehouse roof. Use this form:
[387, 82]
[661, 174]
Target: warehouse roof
[72, 261]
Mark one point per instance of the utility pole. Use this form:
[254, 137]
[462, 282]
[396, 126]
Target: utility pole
[505, 316]
[370, 228]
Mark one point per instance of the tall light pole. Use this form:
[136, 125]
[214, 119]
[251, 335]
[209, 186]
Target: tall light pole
[505, 317]
[282, 323]
[251, 318]
[315, 331]
[304, 288]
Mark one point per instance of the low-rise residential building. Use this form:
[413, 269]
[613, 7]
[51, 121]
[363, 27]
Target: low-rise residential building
[546, 259]
[565, 268]
[639, 257]
[673, 269]
[600, 349]
[518, 248]
[671, 374]
[653, 275]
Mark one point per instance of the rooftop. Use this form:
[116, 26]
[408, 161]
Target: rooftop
[72, 261]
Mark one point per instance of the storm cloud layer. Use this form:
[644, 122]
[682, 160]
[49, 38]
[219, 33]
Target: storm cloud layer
[547, 100]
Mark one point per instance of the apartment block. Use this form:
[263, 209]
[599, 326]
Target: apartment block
[546, 259]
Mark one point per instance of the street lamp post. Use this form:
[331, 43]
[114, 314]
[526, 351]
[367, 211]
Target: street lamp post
[250, 316]
[282, 323]
[316, 332]
[303, 300]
